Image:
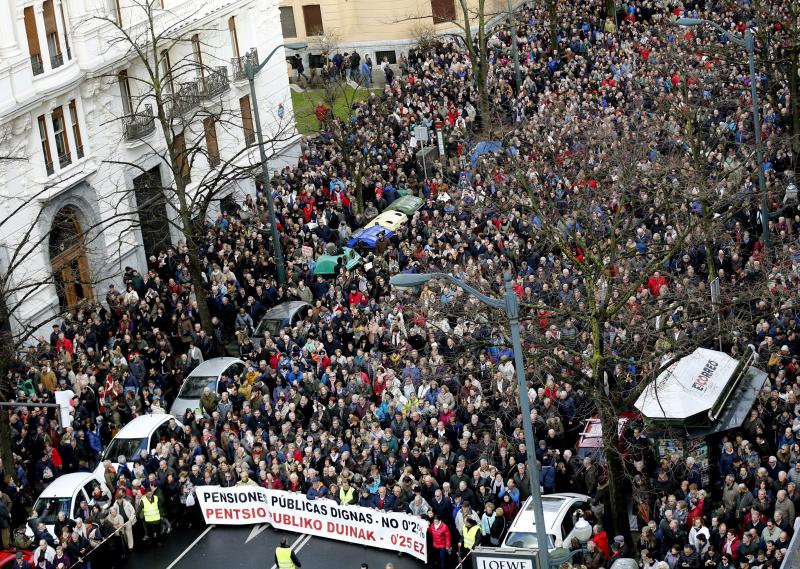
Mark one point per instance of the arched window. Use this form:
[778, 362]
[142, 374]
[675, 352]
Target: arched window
[68, 259]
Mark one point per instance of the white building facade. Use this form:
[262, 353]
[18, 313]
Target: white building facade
[77, 119]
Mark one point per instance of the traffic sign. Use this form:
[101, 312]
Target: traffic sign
[421, 133]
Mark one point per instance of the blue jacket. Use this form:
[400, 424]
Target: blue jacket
[314, 493]
[388, 502]
[547, 476]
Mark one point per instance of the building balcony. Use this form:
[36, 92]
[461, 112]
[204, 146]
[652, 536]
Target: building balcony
[185, 99]
[139, 125]
[238, 64]
[36, 64]
[214, 84]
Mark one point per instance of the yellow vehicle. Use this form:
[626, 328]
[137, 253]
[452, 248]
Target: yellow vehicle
[391, 220]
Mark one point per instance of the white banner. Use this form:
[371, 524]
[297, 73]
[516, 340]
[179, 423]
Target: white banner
[238, 505]
[242, 505]
[355, 524]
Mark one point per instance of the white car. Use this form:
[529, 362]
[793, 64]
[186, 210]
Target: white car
[142, 434]
[65, 494]
[207, 374]
[560, 515]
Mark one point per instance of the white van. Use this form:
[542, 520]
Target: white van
[207, 374]
[561, 511]
[65, 494]
[142, 434]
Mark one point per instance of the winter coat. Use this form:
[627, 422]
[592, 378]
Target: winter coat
[441, 535]
[691, 561]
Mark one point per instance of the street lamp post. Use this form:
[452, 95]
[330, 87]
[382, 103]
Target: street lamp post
[508, 304]
[250, 70]
[748, 43]
[514, 51]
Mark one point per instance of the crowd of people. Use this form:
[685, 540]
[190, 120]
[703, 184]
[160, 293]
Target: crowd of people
[378, 400]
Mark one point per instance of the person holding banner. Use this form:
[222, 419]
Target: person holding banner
[472, 536]
[442, 546]
[285, 558]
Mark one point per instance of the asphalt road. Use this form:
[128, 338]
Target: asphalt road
[251, 547]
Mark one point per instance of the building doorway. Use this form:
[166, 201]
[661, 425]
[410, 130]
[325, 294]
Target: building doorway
[152, 206]
[68, 260]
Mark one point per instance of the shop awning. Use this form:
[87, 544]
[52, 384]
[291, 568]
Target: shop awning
[690, 387]
[739, 404]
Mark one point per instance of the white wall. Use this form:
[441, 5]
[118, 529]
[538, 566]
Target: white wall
[95, 185]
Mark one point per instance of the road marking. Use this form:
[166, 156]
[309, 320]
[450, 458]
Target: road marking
[296, 546]
[191, 545]
[255, 531]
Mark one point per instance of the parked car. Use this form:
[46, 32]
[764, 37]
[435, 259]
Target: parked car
[326, 264]
[561, 511]
[207, 374]
[8, 556]
[285, 314]
[389, 219]
[65, 494]
[368, 236]
[590, 441]
[141, 434]
[407, 204]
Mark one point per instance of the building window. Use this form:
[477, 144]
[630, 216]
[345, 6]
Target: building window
[34, 50]
[76, 128]
[114, 11]
[247, 120]
[234, 36]
[182, 164]
[209, 126]
[60, 136]
[166, 72]
[390, 56]
[45, 139]
[125, 92]
[198, 55]
[313, 19]
[287, 22]
[64, 27]
[443, 11]
[51, 35]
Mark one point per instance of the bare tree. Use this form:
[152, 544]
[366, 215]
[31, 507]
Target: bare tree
[177, 86]
[618, 222]
[23, 279]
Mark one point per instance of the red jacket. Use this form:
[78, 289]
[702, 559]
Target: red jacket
[600, 539]
[441, 535]
[655, 283]
[734, 548]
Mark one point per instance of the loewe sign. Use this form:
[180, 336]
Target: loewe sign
[498, 563]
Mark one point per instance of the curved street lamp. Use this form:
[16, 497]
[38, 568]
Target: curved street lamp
[511, 308]
[250, 70]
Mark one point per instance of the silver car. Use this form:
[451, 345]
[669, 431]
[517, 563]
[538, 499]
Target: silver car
[207, 374]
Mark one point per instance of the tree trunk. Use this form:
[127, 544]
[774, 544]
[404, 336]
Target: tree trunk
[7, 394]
[794, 109]
[6, 453]
[611, 9]
[196, 270]
[552, 16]
[617, 484]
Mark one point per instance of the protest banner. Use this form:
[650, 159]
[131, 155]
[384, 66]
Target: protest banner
[354, 524]
[239, 505]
